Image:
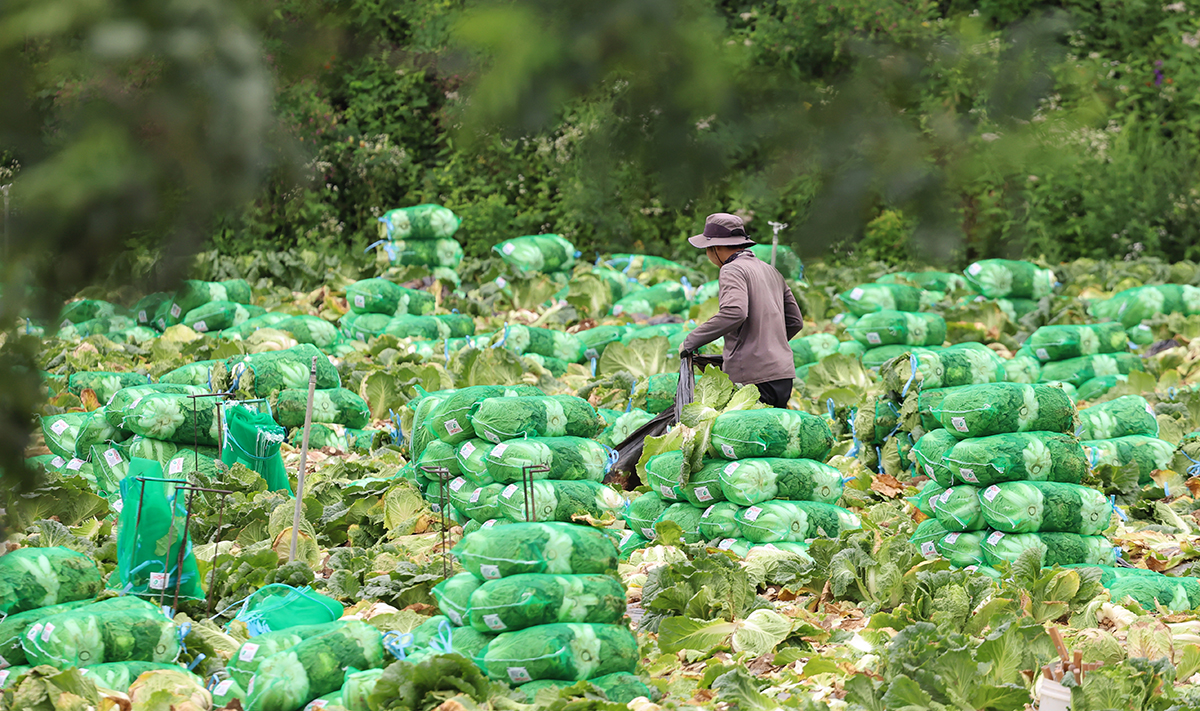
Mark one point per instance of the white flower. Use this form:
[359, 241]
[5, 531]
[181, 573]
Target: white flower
[1036, 457]
[1028, 412]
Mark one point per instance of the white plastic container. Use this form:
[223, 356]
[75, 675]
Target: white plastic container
[1054, 696]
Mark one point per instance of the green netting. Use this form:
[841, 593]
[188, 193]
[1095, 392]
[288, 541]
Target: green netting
[62, 431]
[751, 481]
[464, 641]
[928, 453]
[876, 357]
[619, 284]
[478, 503]
[703, 487]
[450, 420]
[119, 676]
[102, 633]
[118, 407]
[310, 329]
[811, 349]
[1097, 387]
[624, 427]
[738, 546]
[720, 521]
[770, 432]
[1120, 417]
[1000, 408]
[219, 315]
[246, 328]
[1033, 456]
[876, 421]
[522, 601]
[316, 666]
[1034, 506]
[39, 577]
[357, 688]
[337, 406]
[537, 253]
[962, 548]
[253, 439]
[1148, 453]
[1007, 278]
[620, 688]
[1023, 367]
[666, 330]
[773, 521]
[663, 474]
[786, 261]
[261, 375]
[88, 309]
[472, 461]
[44, 463]
[667, 297]
[704, 292]
[426, 253]
[560, 651]
[438, 455]
[630, 541]
[1055, 548]
[543, 341]
[549, 547]
[883, 328]
[1052, 343]
[198, 374]
[224, 692]
[174, 418]
[148, 305]
[193, 294]
[868, 298]
[933, 281]
[427, 221]
[560, 500]
[556, 366]
[564, 458]
[688, 519]
[928, 402]
[927, 498]
[1077, 371]
[15, 627]
[409, 326]
[109, 468]
[339, 437]
[1150, 589]
[1132, 306]
[926, 535]
[277, 606]
[597, 337]
[660, 392]
[110, 327]
[154, 550]
[453, 596]
[159, 450]
[958, 509]
[104, 384]
[460, 325]
[364, 327]
[948, 367]
[504, 418]
[642, 512]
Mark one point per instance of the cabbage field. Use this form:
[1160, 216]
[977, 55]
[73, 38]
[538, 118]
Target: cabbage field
[980, 496]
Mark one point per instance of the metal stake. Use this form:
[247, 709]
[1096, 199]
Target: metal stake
[4, 189]
[527, 480]
[312, 388]
[777, 227]
[442, 474]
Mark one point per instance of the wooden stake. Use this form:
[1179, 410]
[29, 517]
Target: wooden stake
[312, 389]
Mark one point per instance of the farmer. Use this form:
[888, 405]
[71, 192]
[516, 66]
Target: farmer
[758, 314]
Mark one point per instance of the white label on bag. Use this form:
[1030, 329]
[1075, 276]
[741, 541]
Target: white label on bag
[726, 544]
[1042, 354]
[494, 622]
[175, 310]
[489, 523]
[499, 449]
[731, 467]
[452, 427]
[491, 436]
[856, 293]
[702, 494]
[491, 572]
[249, 649]
[951, 538]
[968, 475]
[142, 316]
[175, 467]
[991, 492]
[929, 470]
[618, 309]
[624, 539]
[707, 511]
[223, 688]
[873, 338]
[728, 450]
[946, 495]
[158, 581]
[509, 491]
[57, 462]
[360, 301]
[995, 537]
[457, 484]
[467, 450]
[200, 327]
[974, 269]
[752, 513]
[4, 677]
[59, 427]
[928, 549]
[508, 248]
[667, 491]
[112, 456]
[648, 534]
[118, 506]
[518, 674]
[75, 465]
[454, 616]
[501, 282]
[933, 502]
[47, 631]
[33, 632]
[475, 495]
[959, 423]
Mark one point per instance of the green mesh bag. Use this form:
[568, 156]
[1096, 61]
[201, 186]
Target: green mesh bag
[703, 487]
[261, 375]
[926, 534]
[174, 418]
[661, 390]
[688, 519]
[560, 500]
[1120, 417]
[522, 601]
[560, 548]
[87, 310]
[876, 421]
[254, 440]
[154, 550]
[364, 327]
[39, 577]
[464, 641]
[15, 627]
[738, 546]
[962, 548]
[770, 432]
[198, 374]
[478, 503]
[192, 294]
[1097, 387]
[61, 432]
[624, 427]
[667, 297]
[949, 367]
[630, 541]
[1034, 456]
[472, 461]
[665, 330]
[438, 455]
[109, 327]
[752, 481]
[1148, 453]
[928, 454]
[597, 337]
[557, 366]
[883, 328]
[1078, 371]
[928, 402]
[503, 418]
[446, 253]
[1150, 589]
[357, 688]
[310, 329]
[620, 688]
[453, 596]
[958, 509]
[566, 651]
[450, 420]
[537, 253]
[104, 384]
[663, 473]
[225, 691]
[543, 341]
[811, 349]
[99, 633]
[1132, 306]
[876, 357]
[118, 407]
[119, 676]
[1036, 506]
[720, 521]
[337, 406]
[427, 221]
[316, 666]
[1052, 343]
[1055, 548]
[641, 513]
[374, 296]
[245, 661]
[109, 468]
[1000, 408]
[1008, 278]
[219, 315]
[158, 450]
[564, 458]
[786, 261]
[927, 498]
[246, 328]
[409, 326]
[868, 298]
[460, 325]
[931, 280]
[773, 521]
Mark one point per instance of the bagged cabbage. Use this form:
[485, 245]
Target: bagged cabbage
[174, 418]
[1052, 343]
[643, 512]
[597, 337]
[503, 418]
[537, 253]
[426, 252]
[246, 328]
[254, 440]
[770, 432]
[1007, 278]
[812, 348]
[927, 498]
[720, 521]
[522, 601]
[1033, 456]
[357, 688]
[961, 548]
[963, 364]
[869, 298]
[1148, 453]
[1150, 589]
[219, 315]
[103, 632]
[261, 375]
[958, 509]
[15, 625]
[1055, 548]
[1132, 306]
[61, 432]
[559, 500]
[928, 531]
[336, 406]
[795, 521]
[104, 384]
[435, 457]
[621, 687]
[789, 265]
[930, 280]
[565, 458]
[883, 328]
[193, 293]
[667, 297]
[1038, 506]
[1023, 367]
[427, 221]
[316, 666]
[751, 481]
[453, 596]
[119, 676]
[87, 310]
[245, 661]
[664, 473]
[460, 325]
[1097, 387]
[543, 341]
[450, 419]
[1120, 417]
[688, 519]
[310, 329]
[198, 374]
[478, 503]
[566, 651]
[472, 461]
[661, 390]
[560, 548]
[929, 453]
[118, 407]
[703, 487]
[1078, 371]
[1000, 408]
[39, 577]
[624, 427]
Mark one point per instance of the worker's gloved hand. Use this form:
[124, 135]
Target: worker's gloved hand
[684, 353]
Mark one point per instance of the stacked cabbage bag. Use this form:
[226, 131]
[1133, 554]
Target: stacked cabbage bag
[811, 349]
[886, 334]
[538, 253]
[1123, 432]
[543, 597]
[312, 667]
[421, 235]
[1133, 306]
[1005, 475]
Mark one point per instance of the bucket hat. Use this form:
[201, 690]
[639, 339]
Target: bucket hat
[721, 230]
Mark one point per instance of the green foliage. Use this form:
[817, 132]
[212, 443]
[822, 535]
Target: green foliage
[705, 587]
[433, 681]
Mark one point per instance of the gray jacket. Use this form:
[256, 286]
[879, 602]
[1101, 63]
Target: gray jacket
[758, 316]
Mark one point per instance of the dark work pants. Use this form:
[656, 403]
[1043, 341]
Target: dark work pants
[775, 393]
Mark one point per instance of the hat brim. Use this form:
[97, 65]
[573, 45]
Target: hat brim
[702, 242]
